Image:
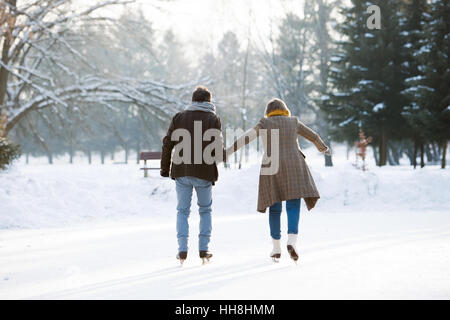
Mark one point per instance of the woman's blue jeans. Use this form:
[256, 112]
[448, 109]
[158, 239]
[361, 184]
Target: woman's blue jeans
[293, 215]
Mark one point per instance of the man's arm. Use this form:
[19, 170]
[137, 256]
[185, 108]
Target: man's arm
[167, 147]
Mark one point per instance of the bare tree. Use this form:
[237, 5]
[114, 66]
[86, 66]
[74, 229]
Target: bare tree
[43, 66]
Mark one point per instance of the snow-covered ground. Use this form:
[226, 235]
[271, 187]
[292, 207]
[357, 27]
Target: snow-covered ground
[95, 232]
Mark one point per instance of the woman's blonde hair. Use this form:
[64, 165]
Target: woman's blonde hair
[276, 104]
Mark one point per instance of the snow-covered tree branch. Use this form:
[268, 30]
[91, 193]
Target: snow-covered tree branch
[44, 63]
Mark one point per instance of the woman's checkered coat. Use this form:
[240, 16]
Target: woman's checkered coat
[293, 180]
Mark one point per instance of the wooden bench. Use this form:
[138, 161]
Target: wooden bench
[149, 155]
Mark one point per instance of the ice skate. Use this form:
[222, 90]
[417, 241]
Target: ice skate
[291, 246]
[205, 256]
[182, 255]
[276, 251]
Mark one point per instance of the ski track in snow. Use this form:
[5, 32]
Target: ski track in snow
[91, 232]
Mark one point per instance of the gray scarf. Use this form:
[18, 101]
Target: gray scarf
[202, 106]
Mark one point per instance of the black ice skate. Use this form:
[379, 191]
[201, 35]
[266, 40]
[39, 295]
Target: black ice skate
[182, 255]
[205, 256]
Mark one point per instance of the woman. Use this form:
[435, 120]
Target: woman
[291, 179]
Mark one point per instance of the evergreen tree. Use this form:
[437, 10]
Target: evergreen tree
[229, 63]
[173, 59]
[416, 17]
[322, 51]
[294, 63]
[225, 70]
[429, 91]
[298, 67]
[367, 75]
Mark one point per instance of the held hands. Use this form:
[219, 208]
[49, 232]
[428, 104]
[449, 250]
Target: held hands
[327, 151]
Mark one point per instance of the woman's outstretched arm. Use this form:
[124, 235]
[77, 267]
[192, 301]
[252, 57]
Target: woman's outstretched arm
[245, 138]
[312, 136]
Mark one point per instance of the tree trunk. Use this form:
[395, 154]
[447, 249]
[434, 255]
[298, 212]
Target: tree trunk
[422, 153]
[391, 160]
[409, 154]
[244, 96]
[328, 159]
[126, 155]
[415, 154]
[5, 60]
[428, 153]
[235, 159]
[71, 153]
[257, 145]
[138, 150]
[394, 155]
[225, 144]
[102, 156]
[436, 152]
[444, 154]
[383, 148]
[27, 158]
[41, 142]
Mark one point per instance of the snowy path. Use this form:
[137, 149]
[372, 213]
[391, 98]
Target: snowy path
[343, 255]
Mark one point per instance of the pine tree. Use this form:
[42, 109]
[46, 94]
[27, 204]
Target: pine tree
[322, 51]
[430, 89]
[173, 60]
[229, 63]
[294, 62]
[416, 17]
[367, 75]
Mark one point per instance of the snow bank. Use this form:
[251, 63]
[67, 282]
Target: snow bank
[36, 196]
[58, 195]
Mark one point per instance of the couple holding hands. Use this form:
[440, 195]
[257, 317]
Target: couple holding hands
[284, 174]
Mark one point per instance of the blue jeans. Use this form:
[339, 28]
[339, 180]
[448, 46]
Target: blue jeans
[293, 214]
[184, 186]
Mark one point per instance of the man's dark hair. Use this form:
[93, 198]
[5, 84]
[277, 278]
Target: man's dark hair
[201, 94]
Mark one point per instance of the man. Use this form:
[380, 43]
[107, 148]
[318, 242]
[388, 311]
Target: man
[190, 168]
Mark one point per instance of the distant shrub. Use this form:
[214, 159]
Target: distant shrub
[8, 152]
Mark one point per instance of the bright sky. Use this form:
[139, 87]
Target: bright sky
[207, 20]
[201, 23]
